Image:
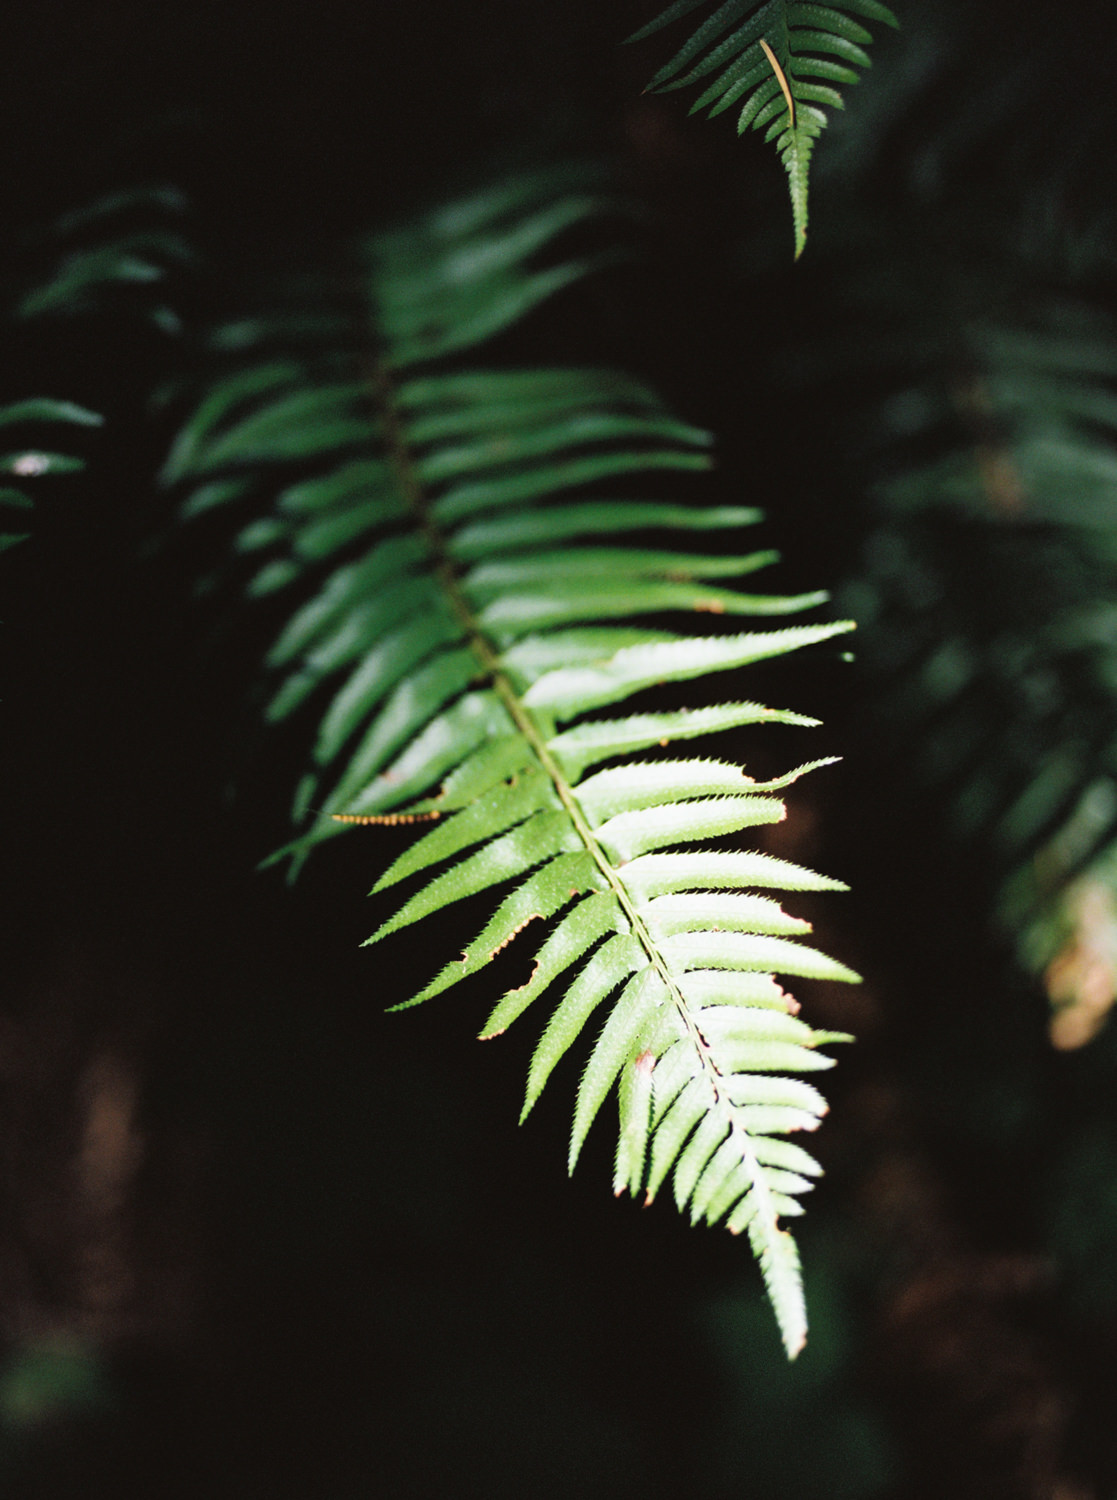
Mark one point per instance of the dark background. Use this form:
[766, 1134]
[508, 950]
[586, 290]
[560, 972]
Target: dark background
[260, 1238]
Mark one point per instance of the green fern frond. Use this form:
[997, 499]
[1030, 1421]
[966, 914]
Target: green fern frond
[781, 61]
[474, 609]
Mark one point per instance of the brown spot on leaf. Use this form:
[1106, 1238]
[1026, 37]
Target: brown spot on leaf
[387, 820]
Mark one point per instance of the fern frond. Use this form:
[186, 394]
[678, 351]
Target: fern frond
[475, 603]
[780, 61]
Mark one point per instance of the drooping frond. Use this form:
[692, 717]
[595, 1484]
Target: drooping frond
[780, 60]
[469, 596]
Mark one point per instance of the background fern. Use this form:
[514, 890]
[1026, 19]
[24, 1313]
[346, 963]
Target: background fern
[1008, 707]
[69, 268]
[982, 430]
[20, 419]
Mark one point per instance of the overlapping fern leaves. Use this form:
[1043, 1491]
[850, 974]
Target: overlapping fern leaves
[468, 605]
[780, 61]
[21, 422]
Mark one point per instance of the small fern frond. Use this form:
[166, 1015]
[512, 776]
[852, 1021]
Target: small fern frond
[122, 242]
[988, 590]
[115, 240]
[476, 608]
[28, 460]
[780, 60]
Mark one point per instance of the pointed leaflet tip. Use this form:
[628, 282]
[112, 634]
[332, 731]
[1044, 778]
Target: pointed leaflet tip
[788, 1301]
[779, 1265]
[795, 148]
